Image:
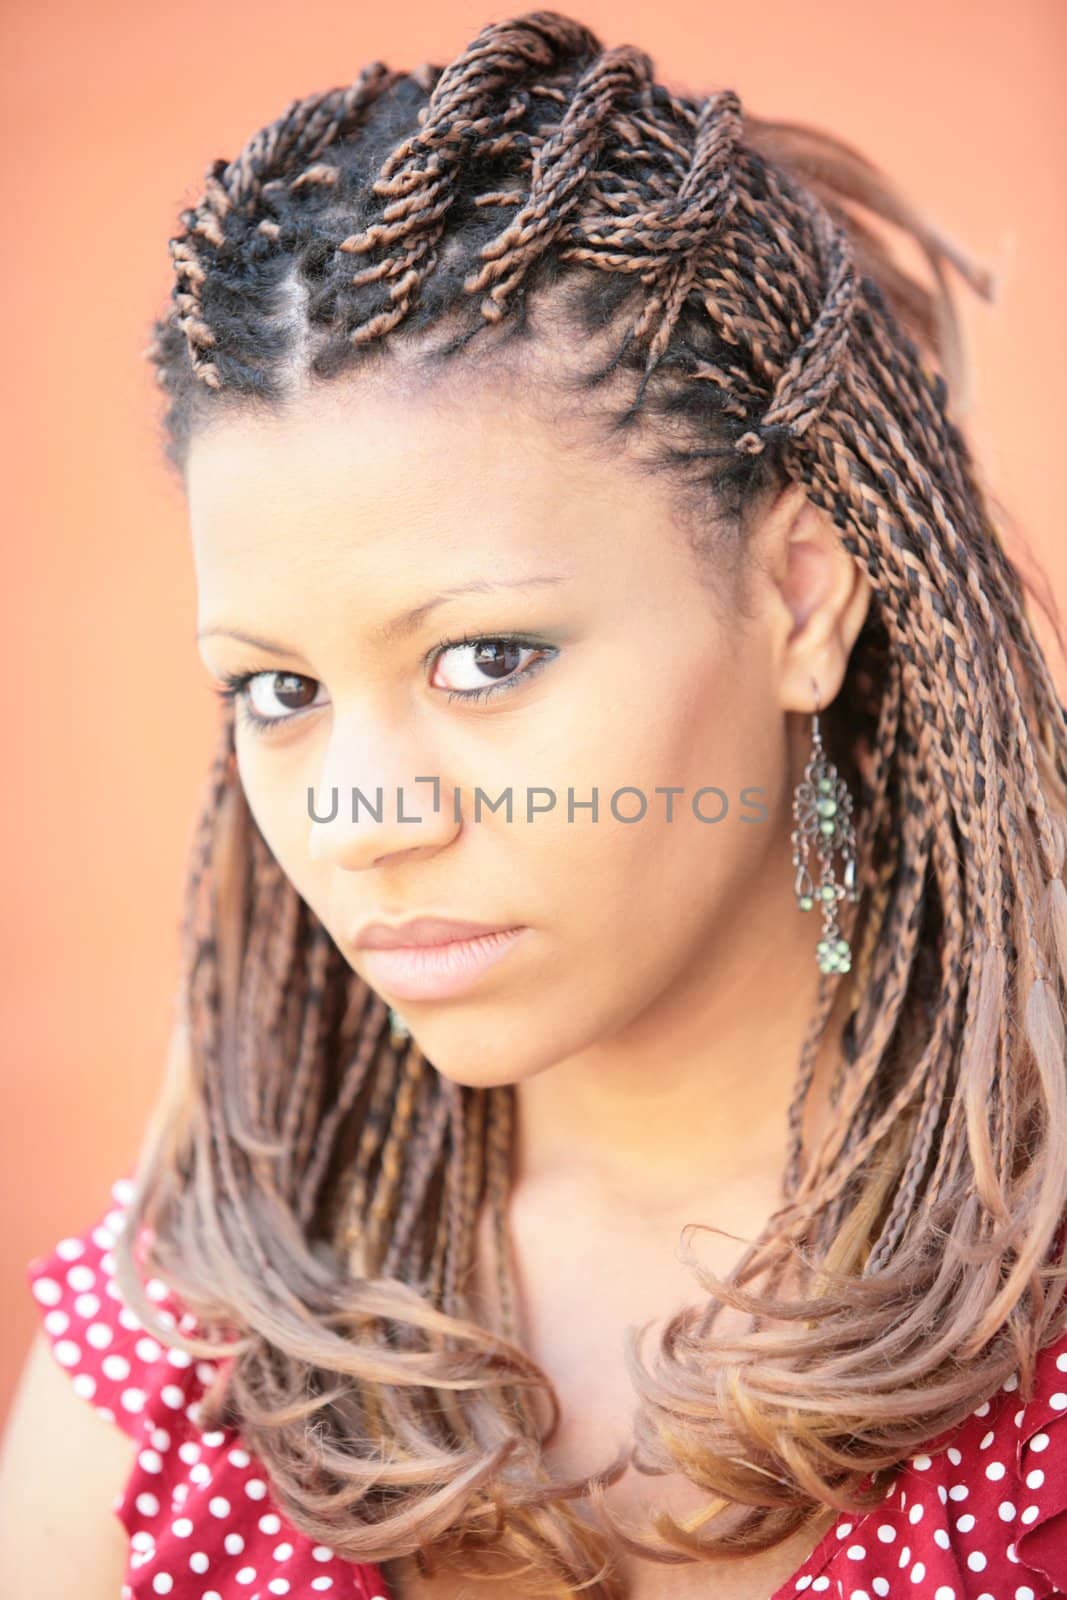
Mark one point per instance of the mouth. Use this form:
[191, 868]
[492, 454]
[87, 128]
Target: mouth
[437, 971]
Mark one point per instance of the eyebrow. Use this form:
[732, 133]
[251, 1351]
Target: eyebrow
[406, 622]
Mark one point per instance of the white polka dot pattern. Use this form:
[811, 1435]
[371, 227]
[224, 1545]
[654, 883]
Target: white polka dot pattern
[196, 1505]
[978, 1515]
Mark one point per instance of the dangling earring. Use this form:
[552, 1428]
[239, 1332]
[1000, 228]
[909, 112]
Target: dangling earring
[399, 1032]
[822, 812]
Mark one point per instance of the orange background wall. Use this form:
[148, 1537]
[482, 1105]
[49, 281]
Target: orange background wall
[110, 115]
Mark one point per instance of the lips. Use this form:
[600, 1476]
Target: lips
[422, 932]
[435, 971]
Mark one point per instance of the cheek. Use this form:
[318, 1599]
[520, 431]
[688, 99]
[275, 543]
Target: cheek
[277, 799]
[642, 891]
[690, 722]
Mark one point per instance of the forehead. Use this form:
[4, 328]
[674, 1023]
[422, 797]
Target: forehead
[358, 477]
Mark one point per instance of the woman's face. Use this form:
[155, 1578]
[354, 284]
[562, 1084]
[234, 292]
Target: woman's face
[478, 515]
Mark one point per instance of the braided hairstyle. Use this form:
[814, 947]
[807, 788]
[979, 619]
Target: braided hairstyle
[310, 1187]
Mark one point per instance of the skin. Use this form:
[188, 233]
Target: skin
[652, 1011]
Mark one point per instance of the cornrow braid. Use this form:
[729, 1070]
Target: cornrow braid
[314, 1192]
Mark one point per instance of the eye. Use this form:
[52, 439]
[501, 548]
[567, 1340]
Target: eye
[268, 699]
[486, 664]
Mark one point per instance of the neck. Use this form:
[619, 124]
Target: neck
[689, 1103]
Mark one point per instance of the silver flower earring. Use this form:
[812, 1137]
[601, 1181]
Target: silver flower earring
[822, 813]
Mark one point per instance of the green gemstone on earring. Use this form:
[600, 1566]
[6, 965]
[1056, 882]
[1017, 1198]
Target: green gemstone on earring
[827, 826]
[825, 786]
[827, 892]
[825, 806]
[833, 955]
[806, 902]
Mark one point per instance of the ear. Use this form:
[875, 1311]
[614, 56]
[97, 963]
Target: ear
[821, 599]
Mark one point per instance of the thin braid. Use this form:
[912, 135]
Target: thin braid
[380, 1210]
[931, 1109]
[299, 1117]
[205, 997]
[995, 629]
[375, 1123]
[351, 1087]
[803, 1084]
[941, 698]
[441, 1240]
[814, 369]
[705, 200]
[561, 170]
[466, 1190]
[499, 1133]
[882, 1020]
[257, 992]
[424, 1165]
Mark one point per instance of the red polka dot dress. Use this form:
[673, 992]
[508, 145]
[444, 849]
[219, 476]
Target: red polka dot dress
[197, 1509]
[980, 1515]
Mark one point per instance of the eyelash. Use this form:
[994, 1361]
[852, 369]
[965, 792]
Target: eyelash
[234, 684]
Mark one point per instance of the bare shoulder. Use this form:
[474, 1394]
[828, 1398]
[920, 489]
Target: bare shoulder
[62, 1467]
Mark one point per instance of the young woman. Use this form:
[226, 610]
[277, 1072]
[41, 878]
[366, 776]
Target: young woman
[614, 1137]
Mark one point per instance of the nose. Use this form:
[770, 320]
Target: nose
[377, 798]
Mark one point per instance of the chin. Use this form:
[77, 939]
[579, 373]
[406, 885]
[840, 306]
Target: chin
[481, 1055]
[468, 1077]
